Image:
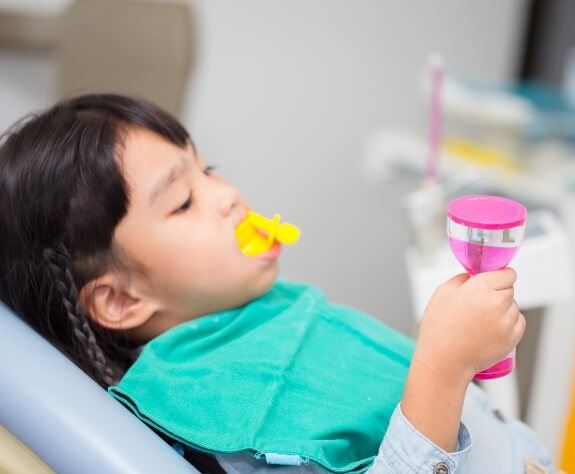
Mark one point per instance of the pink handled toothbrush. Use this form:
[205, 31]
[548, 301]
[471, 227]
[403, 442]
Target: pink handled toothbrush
[436, 73]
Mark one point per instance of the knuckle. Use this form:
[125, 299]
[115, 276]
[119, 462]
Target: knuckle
[510, 323]
[521, 332]
[520, 326]
[501, 300]
[481, 286]
[513, 307]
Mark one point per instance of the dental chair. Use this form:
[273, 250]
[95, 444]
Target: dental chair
[64, 418]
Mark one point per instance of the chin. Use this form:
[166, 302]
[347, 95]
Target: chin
[266, 281]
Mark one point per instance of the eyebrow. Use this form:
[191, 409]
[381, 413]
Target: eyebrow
[163, 184]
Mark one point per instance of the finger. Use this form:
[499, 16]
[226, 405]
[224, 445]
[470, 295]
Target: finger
[513, 312]
[507, 295]
[499, 279]
[518, 329]
[456, 281]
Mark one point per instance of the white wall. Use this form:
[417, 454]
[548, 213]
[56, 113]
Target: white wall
[27, 84]
[285, 93]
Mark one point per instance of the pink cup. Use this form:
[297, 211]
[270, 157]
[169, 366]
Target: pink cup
[485, 233]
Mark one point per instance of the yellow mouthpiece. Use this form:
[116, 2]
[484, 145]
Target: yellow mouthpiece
[250, 233]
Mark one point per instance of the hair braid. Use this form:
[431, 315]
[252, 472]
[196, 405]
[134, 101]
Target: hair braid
[58, 262]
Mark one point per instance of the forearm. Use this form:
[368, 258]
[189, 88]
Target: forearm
[433, 401]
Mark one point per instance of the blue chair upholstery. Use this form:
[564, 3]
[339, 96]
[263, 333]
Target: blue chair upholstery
[65, 417]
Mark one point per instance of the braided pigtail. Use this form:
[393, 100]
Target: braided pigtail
[58, 263]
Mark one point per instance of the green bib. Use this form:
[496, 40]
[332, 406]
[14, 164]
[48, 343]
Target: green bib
[288, 376]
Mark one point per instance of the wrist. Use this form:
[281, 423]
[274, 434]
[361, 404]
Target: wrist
[448, 369]
[433, 400]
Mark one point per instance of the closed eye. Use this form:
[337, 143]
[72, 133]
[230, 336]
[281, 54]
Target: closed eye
[188, 203]
[184, 207]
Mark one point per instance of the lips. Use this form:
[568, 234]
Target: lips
[272, 253]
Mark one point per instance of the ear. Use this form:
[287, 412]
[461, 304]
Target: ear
[115, 303]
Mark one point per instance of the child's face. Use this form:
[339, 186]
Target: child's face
[190, 249]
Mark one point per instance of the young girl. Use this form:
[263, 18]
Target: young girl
[114, 233]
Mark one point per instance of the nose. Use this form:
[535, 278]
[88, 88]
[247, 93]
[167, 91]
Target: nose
[230, 201]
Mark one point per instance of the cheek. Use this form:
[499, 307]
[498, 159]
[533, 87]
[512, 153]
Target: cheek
[210, 275]
[206, 258]
[184, 257]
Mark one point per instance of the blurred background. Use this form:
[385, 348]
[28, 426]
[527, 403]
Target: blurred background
[318, 110]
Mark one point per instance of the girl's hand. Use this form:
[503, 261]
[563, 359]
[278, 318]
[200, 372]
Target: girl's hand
[470, 324]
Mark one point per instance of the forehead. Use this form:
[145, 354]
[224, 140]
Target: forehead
[146, 157]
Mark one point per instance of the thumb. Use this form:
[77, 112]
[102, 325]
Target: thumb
[456, 281]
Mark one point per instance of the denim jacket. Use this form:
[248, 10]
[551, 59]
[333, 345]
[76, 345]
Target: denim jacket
[487, 442]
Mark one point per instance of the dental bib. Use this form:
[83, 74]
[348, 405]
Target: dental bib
[289, 377]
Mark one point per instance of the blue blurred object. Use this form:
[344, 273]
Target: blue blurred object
[555, 114]
[69, 421]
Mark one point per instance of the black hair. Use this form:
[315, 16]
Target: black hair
[62, 194]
